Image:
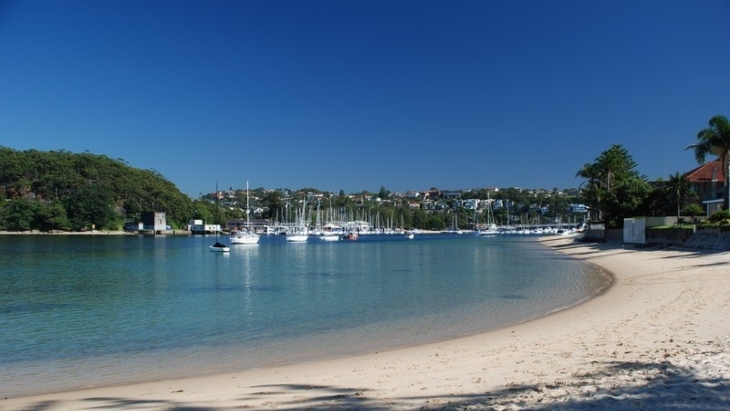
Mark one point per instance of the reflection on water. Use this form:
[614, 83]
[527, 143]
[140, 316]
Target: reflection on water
[82, 310]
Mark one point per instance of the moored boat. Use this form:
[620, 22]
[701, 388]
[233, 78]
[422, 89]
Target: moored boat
[244, 237]
[491, 230]
[299, 233]
[219, 248]
[352, 235]
[297, 237]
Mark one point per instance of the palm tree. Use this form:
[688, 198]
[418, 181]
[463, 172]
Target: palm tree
[715, 140]
[678, 189]
[592, 193]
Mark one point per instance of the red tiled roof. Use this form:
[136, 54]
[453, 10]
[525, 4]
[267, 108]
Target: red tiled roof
[705, 173]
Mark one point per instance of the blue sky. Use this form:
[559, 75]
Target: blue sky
[356, 95]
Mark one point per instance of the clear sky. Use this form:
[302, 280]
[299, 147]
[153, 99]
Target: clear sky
[356, 95]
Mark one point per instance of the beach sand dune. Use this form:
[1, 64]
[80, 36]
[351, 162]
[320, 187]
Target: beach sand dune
[657, 340]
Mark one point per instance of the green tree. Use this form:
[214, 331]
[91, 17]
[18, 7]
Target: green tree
[419, 219]
[90, 204]
[18, 215]
[203, 210]
[274, 204]
[679, 190]
[436, 222]
[406, 217]
[591, 193]
[383, 193]
[52, 217]
[614, 186]
[626, 200]
[715, 140]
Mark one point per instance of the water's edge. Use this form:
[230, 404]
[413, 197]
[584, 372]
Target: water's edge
[191, 363]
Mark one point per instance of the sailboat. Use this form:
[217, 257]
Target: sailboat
[330, 231]
[299, 233]
[218, 247]
[247, 236]
[491, 229]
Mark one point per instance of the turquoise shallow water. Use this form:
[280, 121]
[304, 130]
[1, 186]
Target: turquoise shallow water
[96, 310]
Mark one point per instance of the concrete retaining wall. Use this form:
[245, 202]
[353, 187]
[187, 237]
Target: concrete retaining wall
[668, 236]
[709, 239]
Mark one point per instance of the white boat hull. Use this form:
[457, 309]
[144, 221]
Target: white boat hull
[488, 233]
[244, 238]
[297, 238]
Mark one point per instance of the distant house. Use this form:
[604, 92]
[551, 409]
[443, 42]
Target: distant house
[199, 227]
[707, 181]
[577, 208]
[450, 194]
[434, 194]
[471, 204]
[154, 220]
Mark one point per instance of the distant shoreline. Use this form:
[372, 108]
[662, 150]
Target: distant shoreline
[122, 232]
[93, 232]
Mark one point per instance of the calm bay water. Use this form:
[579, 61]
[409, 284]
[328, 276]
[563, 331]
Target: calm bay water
[77, 311]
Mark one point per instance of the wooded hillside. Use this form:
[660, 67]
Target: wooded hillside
[60, 190]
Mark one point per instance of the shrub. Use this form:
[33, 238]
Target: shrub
[720, 216]
[693, 210]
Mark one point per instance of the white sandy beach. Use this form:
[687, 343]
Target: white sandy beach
[658, 339]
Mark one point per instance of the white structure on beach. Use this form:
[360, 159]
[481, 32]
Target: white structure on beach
[198, 227]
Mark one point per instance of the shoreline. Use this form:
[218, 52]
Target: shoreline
[171, 232]
[92, 232]
[662, 323]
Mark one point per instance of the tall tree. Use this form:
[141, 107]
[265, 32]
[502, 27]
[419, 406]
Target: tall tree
[614, 185]
[715, 140]
[383, 193]
[591, 194]
[273, 203]
[615, 163]
[678, 190]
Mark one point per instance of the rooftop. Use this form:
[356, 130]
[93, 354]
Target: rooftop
[710, 171]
